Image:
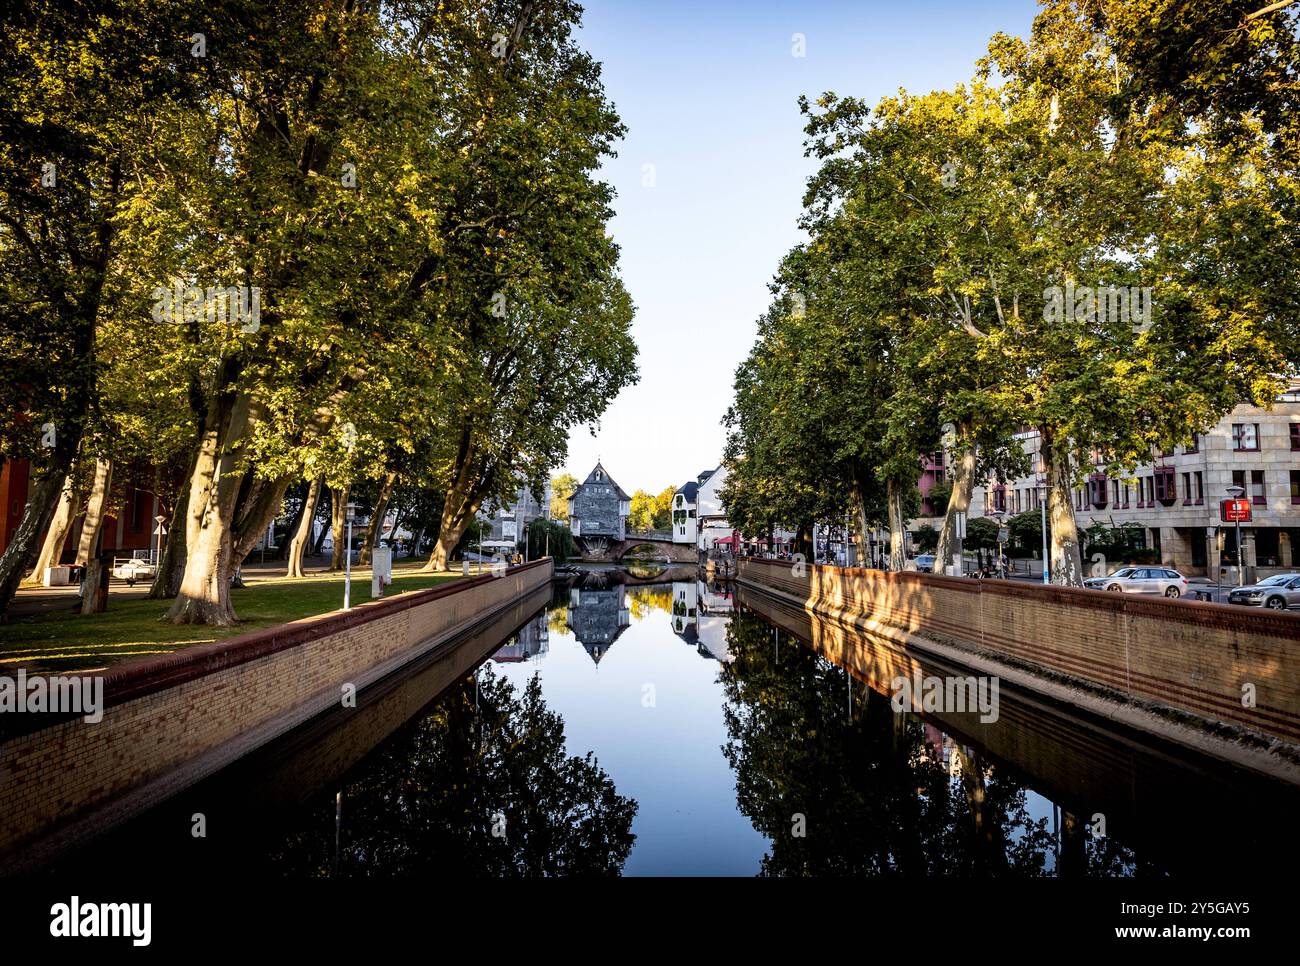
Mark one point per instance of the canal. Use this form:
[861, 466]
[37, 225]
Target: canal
[647, 722]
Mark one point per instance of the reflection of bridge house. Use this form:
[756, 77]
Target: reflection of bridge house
[531, 641]
[597, 618]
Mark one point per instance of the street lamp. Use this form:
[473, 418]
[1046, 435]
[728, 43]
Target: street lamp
[1040, 483]
[160, 531]
[350, 513]
[1236, 493]
[997, 518]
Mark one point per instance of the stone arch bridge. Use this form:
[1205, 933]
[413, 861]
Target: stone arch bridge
[658, 542]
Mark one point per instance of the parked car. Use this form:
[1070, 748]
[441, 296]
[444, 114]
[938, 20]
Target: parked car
[133, 570]
[925, 562]
[1276, 593]
[1141, 580]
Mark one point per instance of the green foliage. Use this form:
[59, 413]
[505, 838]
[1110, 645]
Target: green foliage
[925, 538]
[563, 486]
[549, 536]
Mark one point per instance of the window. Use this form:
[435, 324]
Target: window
[1295, 436]
[1165, 489]
[1187, 489]
[1195, 445]
[1295, 486]
[1200, 487]
[1245, 437]
[1257, 487]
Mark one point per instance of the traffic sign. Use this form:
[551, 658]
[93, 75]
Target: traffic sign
[1235, 511]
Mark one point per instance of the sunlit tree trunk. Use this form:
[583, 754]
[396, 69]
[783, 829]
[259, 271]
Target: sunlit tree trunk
[963, 483]
[375, 526]
[96, 510]
[1066, 558]
[339, 525]
[298, 546]
[457, 514]
[204, 594]
[897, 525]
[60, 524]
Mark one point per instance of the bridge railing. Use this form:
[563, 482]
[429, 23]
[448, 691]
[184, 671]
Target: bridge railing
[649, 534]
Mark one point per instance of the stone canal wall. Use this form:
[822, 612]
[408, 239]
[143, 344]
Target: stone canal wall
[1196, 657]
[176, 718]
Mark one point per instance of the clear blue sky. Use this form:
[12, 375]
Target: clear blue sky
[708, 92]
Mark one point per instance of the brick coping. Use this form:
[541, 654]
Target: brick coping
[1197, 614]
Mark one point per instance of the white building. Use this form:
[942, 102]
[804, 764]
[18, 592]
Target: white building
[1173, 502]
[684, 522]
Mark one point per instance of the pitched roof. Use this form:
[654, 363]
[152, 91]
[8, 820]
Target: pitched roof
[603, 479]
[688, 490]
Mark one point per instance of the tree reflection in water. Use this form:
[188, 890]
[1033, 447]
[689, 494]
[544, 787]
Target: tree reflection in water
[429, 799]
[874, 790]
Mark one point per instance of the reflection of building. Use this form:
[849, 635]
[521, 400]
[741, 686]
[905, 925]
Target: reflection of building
[714, 610]
[532, 640]
[597, 618]
[598, 511]
[685, 610]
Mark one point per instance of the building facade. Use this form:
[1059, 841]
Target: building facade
[510, 520]
[1172, 504]
[598, 509]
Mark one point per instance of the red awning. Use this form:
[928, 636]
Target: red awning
[730, 539]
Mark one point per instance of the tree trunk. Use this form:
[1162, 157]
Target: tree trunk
[376, 524]
[96, 504]
[339, 525]
[958, 502]
[1067, 562]
[457, 514]
[17, 558]
[204, 595]
[302, 536]
[282, 551]
[897, 526]
[324, 501]
[60, 524]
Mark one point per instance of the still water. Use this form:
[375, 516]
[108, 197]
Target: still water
[645, 723]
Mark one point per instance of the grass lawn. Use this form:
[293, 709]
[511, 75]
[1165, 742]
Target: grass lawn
[65, 641]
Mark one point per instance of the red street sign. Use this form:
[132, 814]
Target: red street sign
[1234, 511]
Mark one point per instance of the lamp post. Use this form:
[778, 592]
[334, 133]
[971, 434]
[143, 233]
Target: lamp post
[1236, 493]
[160, 531]
[1041, 484]
[349, 512]
[997, 518]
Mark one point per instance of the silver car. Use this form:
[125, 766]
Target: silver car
[1141, 580]
[1276, 593]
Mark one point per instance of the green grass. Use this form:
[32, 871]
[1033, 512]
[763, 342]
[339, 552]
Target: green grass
[67, 641]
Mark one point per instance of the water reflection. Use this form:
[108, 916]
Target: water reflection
[596, 741]
[597, 617]
[482, 786]
[841, 785]
[812, 732]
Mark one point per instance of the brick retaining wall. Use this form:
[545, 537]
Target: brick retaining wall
[173, 719]
[1192, 656]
